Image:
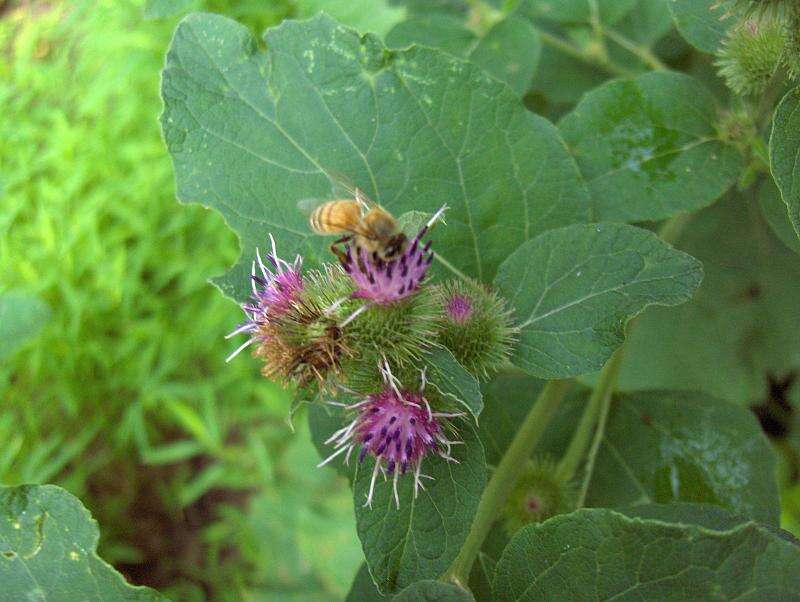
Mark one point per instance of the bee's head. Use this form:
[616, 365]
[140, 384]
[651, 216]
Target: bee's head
[395, 246]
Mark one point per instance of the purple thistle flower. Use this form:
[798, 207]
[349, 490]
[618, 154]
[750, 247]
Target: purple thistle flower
[383, 282]
[458, 308]
[274, 291]
[399, 429]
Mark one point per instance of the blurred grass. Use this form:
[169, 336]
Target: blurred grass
[124, 397]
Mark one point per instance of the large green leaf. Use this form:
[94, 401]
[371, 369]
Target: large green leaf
[703, 22]
[573, 289]
[250, 130]
[452, 380]
[784, 153]
[48, 550]
[600, 554]
[691, 447]
[648, 147]
[21, 316]
[742, 323]
[421, 538]
[688, 513]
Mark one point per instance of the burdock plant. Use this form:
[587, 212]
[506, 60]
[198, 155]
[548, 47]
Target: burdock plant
[455, 365]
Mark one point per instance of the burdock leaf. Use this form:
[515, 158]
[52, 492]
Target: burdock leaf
[21, 317]
[250, 131]
[573, 290]
[648, 147]
[421, 538]
[452, 380]
[739, 331]
[48, 550]
[601, 554]
[784, 153]
[703, 23]
[658, 448]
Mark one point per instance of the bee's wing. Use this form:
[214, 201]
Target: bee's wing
[344, 187]
[306, 206]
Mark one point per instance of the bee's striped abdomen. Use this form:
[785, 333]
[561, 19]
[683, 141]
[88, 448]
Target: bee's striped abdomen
[334, 217]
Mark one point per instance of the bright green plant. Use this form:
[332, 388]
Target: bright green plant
[666, 482]
[112, 376]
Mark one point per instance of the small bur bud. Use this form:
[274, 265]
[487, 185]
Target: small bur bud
[539, 494]
[475, 326]
[751, 54]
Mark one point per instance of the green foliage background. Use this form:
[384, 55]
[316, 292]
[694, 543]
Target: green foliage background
[123, 397]
[120, 392]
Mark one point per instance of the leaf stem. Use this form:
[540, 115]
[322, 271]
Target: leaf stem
[570, 49]
[605, 405]
[600, 399]
[597, 29]
[505, 476]
[644, 53]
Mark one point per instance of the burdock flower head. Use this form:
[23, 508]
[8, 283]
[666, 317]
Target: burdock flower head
[399, 429]
[275, 288]
[295, 335]
[383, 282]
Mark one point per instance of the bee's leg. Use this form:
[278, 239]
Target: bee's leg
[343, 257]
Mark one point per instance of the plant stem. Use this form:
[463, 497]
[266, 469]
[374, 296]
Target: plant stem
[597, 28]
[505, 476]
[614, 364]
[570, 49]
[601, 395]
[650, 59]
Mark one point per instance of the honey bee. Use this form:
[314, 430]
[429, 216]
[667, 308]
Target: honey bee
[363, 221]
